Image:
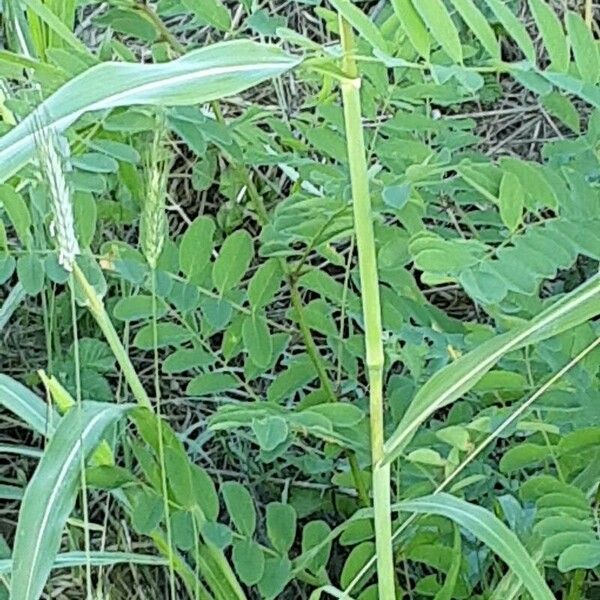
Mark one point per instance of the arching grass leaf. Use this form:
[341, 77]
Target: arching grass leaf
[201, 76]
[66, 560]
[457, 378]
[491, 531]
[51, 493]
[26, 405]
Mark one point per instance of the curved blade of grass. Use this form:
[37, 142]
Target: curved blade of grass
[457, 378]
[10, 304]
[201, 76]
[26, 405]
[20, 450]
[50, 496]
[10, 492]
[491, 531]
[510, 586]
[97, 559]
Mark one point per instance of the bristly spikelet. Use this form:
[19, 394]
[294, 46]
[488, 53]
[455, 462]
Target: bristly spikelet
[53, 166]
[153, 222]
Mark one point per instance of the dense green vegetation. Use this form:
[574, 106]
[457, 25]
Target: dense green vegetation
[299, 299]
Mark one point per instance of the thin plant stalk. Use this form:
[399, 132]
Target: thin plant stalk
[589, 13]
[96, 307]
[153, 227]
[161, 441]
[84, 500]
[369, 281]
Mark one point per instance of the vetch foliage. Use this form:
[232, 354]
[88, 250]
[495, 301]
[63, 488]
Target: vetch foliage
[309, 308]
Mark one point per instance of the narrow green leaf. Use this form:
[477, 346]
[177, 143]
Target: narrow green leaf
[491, 531]
[134, 308]
[513, 27]
[442, 28]
[580, 556]
[51, 493]
[205, 495]
[479, 25]
[57, 26]
[447, 590]
[11, 302]
[95, 162]
[356, 561]
[66, 560]
[523, 455]
[559, 106]
[584, 48]
[413, 26]
[574, 85]
[211, 383]
[361, 22]
[167, 334]
[552, 33]
[265, 283]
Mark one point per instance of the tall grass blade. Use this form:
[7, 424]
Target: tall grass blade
[51, 494]
[201, 76]
[26, 405]
[454, 380]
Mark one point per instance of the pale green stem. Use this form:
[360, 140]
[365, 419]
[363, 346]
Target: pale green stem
[83, 480]
[369, 281]
[99, 313]
[161, 442]
[589, 13]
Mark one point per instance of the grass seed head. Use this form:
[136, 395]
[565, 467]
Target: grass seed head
[54, 163]
[153, 223]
